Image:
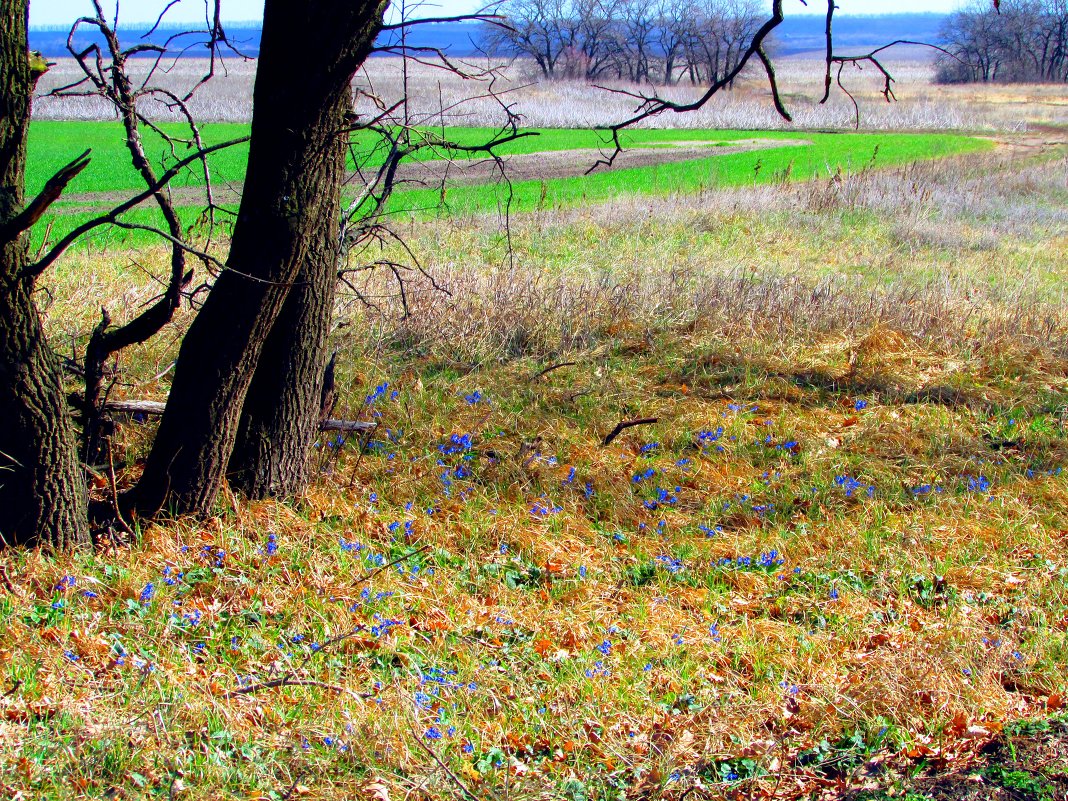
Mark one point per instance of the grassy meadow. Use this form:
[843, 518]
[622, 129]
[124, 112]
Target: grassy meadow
[832, 565]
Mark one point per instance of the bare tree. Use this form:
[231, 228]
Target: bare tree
[672, 34]
[105, 74]
[281, 409]
[42, 491]
[541, 30]
[632, 39]
[1023, 41]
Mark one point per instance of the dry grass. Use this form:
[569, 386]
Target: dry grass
[921, 105]
[570, 631]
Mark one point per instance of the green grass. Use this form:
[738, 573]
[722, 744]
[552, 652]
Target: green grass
[52, 144]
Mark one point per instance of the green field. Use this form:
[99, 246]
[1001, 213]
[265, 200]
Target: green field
[53, 144]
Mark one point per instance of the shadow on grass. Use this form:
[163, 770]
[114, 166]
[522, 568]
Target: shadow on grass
[1026, 762]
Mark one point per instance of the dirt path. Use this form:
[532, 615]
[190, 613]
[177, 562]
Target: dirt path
[467, 172]
[571, 163]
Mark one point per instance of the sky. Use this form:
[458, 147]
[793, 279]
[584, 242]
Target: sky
[60, 12]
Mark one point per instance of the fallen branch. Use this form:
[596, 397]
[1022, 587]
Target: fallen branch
[289, 681]
[550, 368]
[623, 425]
[290, 678]
[448, 772]
[370, 575]
[156, 408]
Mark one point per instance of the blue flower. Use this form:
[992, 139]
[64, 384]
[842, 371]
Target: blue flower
[860, 404]
[65, 583]
[147, 593]
[432, 733]
[272, 544]
[379, 391]
[670, 563]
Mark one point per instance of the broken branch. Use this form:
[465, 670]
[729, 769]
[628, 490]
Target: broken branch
[623, 425]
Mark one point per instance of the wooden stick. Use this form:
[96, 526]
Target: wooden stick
[623, 425]
[155, 408]
[550, 368]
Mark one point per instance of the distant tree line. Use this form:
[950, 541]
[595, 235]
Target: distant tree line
[644, 41]
[1026, 42]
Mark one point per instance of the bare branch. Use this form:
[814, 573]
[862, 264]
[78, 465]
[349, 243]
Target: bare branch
[495, 19]
[623, 425]
[652, 105]
[49, 258]
[47, 196]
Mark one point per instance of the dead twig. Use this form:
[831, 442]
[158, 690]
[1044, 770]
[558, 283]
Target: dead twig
[448, 771]
[289, 681]
[377, 570]
[623, 425]
[550, 368]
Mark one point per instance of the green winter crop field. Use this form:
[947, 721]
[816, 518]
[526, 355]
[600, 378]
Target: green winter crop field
[800, 157]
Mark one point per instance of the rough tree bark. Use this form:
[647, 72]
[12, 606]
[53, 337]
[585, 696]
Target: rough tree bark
[281, 413]
[301, 106]
[42, 487]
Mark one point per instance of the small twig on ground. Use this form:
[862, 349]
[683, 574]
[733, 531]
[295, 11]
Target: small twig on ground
[377, 570]
[289, 681]
[448, 772]
[623, 425]
[550, 368]
[293, 787]
[15, 685]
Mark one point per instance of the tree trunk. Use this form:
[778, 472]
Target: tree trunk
[42, 489]
[293, 180]
[280, 417]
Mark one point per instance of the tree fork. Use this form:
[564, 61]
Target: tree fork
[295, 165]
[281, 412]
